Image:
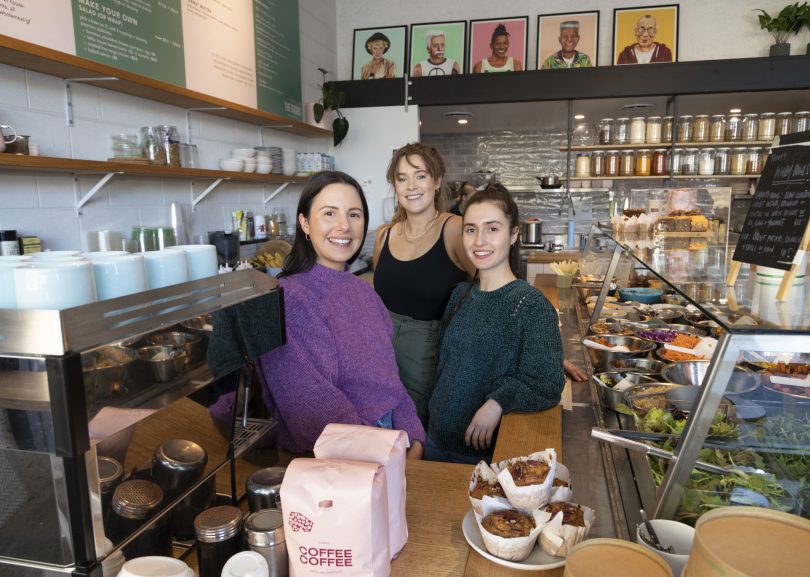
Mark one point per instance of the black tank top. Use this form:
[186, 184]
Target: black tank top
[418, 288]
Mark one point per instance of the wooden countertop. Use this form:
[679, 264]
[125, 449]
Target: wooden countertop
[545, 257]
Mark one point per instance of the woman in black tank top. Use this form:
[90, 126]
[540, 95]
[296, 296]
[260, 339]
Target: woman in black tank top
[418, 260]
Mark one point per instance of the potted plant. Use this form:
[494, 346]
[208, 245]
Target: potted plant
[805, 20]
[332, 99]
[789, 20]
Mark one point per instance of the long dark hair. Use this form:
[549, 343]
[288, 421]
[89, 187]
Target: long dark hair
[303, 257]
[434, 165]
[498, 194]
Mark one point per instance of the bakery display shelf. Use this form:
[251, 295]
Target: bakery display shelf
[676, 177]
[20, 54]
[79, 166]
[666, 145]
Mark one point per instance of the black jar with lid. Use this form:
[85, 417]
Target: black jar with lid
[219, 537]
[133, 504]
[176, 466]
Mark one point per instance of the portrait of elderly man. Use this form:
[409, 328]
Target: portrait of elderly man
[377, 45]
[645, 50]
[436, 63]
[568, 56]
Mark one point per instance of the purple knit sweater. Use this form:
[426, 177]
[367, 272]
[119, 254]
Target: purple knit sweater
[338, 365]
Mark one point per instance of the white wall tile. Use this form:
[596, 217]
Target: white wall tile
[56, 190]
[90, 140]
[177, 191]
[46, 93]
[123, 109]
[129, 191]
[18, 191]
[15, 90]
[86, 101]
[40, 223]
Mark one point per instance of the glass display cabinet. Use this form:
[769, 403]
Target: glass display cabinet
[739, 429]
[89, 394]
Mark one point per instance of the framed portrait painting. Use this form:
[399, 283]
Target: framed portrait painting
[379, 52]
[569, 40]
[437, 48]
[645, 34]
[498, 45]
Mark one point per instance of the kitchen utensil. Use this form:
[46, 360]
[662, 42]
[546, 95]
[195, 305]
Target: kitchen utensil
[691, 373]
[19, 145]
[549, 181]
[645, 366]
[531, 231]
[654, 540]
[165, 362]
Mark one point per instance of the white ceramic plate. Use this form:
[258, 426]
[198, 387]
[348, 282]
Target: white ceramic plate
[538, 559]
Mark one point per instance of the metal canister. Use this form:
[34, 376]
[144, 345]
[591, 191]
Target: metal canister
[110, 472]
[264, 532]
[133, 504]
[263, 487]
[176, 466]
[219, 537]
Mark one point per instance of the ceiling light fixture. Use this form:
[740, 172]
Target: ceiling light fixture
[638, 106]
[735, 110]
[579, 117]
[456, 114]
[462, 121]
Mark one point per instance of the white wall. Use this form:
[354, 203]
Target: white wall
[709, 29]
[43, 204]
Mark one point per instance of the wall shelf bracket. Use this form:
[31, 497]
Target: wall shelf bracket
[69, 93]
[203, 194]
[274, 193]
[93, 190]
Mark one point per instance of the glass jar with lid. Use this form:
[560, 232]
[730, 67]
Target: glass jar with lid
[675, 161]
[739, 160]
[722, 161]
[659, 162]
[653, 135]
[706, 162]
[606, 129]
[733, 128]
[627, 164]
[689, 164]
[717, 128]
[685, 128]
[612, 163]
[598, 163]
[700, 131]
[755, 161]
[643, 162]
[583, 166]
[767, 126]
[622, 133]
[638, 130]
[801, 121]
[667, 128]
[784, 123]
[750, 127]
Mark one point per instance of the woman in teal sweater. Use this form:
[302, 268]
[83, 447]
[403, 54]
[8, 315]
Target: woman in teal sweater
[500, 348]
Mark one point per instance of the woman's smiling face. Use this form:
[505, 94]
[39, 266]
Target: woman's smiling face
[486, 237]
[415, 187]
[335, 225]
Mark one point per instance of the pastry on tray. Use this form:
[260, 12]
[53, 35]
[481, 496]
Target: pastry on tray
[567, 525]
[561, 486]
[507, 532]
[527, 481]
[484, 483]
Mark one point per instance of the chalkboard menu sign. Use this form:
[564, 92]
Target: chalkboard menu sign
[780, 211]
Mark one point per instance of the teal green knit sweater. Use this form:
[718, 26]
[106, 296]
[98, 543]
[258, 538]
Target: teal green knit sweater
[503, 345]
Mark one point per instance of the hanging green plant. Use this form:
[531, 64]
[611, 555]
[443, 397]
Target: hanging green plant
[332, 99]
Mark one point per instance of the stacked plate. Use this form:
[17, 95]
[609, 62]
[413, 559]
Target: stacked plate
[276, 158]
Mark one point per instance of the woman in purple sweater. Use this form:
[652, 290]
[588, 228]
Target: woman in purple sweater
[338, 365]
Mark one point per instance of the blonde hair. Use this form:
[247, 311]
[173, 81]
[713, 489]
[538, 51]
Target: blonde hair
[434, 165]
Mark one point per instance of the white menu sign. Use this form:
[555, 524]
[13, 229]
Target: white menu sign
[48, 23]
[220, 56]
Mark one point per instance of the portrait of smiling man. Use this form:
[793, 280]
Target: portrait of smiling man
[646, 49]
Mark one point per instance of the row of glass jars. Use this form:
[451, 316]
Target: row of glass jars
[701, 128]
[682, 161]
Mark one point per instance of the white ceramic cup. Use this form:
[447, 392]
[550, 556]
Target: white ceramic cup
[54, 285]
[97, 254]
[264, 168]
[165, 268]
[673, 533]
[56, 254]
[150, 566]
[201, 259]
[117, 276]
[8, 296]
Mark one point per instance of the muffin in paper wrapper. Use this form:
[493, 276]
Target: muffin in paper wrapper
[561, 493]
[483, 471]
[558, 539]
[528, 497]
[509, 548]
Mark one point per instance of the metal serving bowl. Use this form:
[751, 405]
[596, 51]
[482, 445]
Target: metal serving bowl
[646, 396]
[601, 359]
[663, 315]
[106, 370]
[202, 325]
[166, 362]
[691, 373]
[674, 299]
[611, 398]
[191, 344]
[644, 366]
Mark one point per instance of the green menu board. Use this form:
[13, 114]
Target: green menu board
[278, 57]
[140, 36]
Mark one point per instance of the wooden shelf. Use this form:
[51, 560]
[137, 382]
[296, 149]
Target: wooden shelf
[78, 166]
[667, 145]
[47, 61]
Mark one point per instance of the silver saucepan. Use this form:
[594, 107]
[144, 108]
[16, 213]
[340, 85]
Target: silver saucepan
[531, 231]
[549, 181]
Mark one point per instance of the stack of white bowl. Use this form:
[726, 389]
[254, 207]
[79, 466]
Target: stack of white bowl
[290, 159]
[264, 163]
[241, 160]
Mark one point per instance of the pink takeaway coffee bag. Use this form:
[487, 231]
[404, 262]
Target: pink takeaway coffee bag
[383, 446]
[336, 518]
